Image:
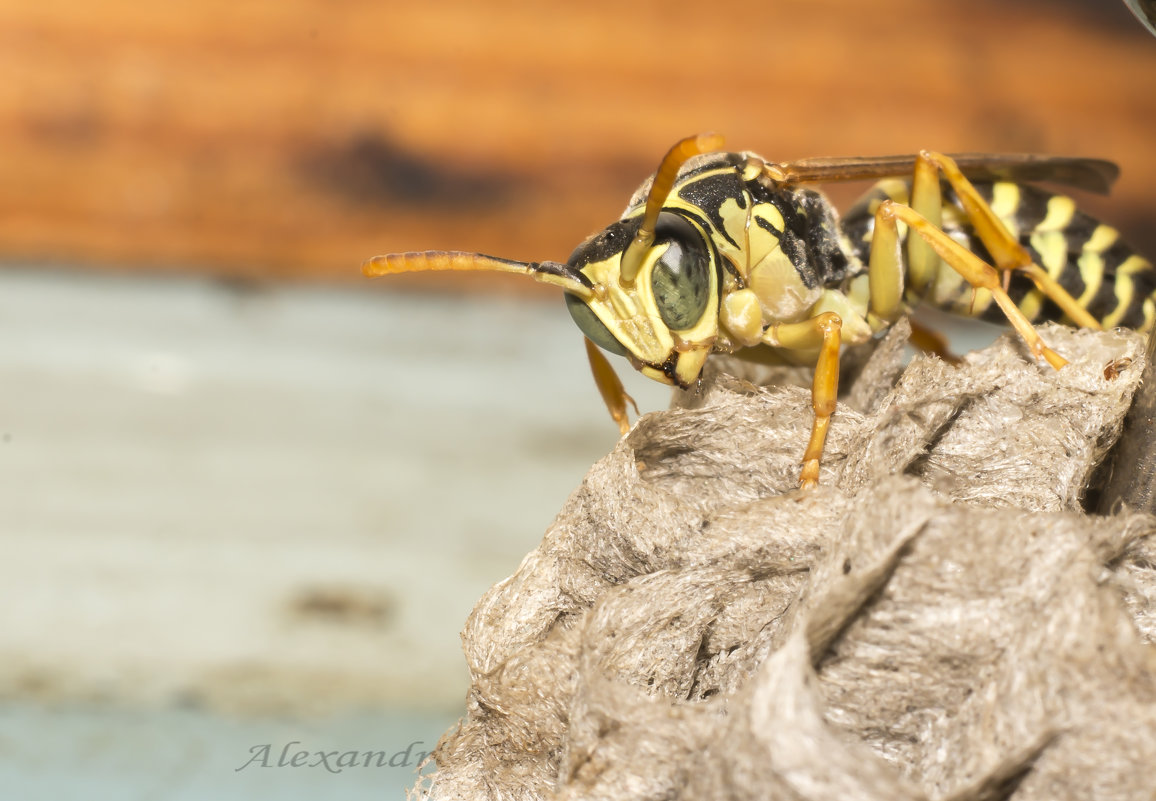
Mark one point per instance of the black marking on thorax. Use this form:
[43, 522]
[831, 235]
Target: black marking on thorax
[710, 193]
[810, 235]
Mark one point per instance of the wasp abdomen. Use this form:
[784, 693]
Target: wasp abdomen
[1087, 258]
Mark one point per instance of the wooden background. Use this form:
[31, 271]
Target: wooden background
[294, 138]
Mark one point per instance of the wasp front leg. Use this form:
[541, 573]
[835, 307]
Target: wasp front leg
[610, 387]
[823, 331]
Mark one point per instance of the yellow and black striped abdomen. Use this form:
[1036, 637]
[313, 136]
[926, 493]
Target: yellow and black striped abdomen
[1105, 275]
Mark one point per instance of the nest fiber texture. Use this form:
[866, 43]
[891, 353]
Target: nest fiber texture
[939, 619]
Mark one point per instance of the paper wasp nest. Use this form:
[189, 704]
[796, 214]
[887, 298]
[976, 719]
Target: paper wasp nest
[938, 620]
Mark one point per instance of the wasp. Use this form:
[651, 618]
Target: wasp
[728, 252]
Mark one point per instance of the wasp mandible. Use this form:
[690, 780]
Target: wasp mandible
[728, 252]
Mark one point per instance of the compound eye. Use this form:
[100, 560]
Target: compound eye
[681, 276]
[594, 329]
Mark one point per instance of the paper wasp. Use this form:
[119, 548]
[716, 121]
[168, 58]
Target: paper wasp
[727, 252]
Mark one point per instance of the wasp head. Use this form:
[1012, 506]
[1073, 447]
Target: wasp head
[646, 288]
[664, 318]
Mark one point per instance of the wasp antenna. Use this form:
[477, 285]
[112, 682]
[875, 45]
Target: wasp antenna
[435, 260]
[683, 151]
[546, 272]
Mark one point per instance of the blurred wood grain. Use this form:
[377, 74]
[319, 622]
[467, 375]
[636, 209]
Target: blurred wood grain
[294, 138]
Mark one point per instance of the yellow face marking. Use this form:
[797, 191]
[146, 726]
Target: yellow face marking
[624, 310]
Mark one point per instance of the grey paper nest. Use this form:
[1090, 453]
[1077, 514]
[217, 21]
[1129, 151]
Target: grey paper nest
[940, 619]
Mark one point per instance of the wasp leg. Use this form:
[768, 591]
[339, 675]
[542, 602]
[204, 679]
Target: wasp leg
[1006, 251]
[973, 269]
[825, 332]
[609, 387]
[927, 200]
[885, 278]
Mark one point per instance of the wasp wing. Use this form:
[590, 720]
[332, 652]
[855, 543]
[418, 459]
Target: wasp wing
[1093, 175]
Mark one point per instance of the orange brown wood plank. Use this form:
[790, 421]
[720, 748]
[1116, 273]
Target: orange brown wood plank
[295, 137]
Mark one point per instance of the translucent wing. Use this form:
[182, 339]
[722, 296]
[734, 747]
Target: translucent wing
[1092, 175]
